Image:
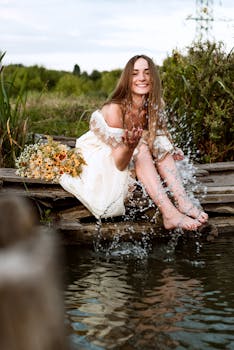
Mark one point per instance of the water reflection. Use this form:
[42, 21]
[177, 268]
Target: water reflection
[98, 302]
[152, 303]
[157, 311]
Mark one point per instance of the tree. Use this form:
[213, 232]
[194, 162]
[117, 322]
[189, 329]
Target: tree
[95, 75]
[76, 70]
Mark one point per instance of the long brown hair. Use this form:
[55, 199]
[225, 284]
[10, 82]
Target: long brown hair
[122, 95]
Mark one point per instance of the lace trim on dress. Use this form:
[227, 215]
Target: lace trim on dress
[161, 147]
[113, 137]
[110, 136]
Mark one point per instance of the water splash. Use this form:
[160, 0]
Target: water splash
[97, 242]
[127, 250]
[193, 187]
[116, 247]
[140, 248]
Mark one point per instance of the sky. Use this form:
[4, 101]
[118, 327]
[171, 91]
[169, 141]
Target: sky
[103, 34]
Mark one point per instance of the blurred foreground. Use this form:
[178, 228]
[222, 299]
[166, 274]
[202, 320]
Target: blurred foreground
[31, 308]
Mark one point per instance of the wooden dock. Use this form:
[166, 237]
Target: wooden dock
[64, 212]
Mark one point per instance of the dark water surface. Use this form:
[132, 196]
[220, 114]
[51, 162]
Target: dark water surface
[161, 298]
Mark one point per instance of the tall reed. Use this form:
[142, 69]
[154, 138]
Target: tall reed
[13, 119]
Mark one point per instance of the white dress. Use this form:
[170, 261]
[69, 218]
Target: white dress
[101, 187]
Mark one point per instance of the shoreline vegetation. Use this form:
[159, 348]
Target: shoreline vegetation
[198, 93]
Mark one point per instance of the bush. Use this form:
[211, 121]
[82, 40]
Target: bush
[36, 78]
[198, 92]
[69, 85]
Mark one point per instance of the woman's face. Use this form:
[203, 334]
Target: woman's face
[141, 84]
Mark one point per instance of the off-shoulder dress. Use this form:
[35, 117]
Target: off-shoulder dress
[101, 187]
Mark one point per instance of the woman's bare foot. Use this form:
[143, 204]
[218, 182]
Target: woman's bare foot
[179, 220]
[186, 207]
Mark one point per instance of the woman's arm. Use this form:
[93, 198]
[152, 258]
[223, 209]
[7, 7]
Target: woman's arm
[122, 154]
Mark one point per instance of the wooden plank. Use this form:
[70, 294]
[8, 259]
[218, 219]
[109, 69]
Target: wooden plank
[40, 193]
[218, 166]
[224, 194]
[9, 175]
[201, 172]
[219, 208]
[88, 233]
[218, 198]
[224, 224]
[219, 179]
[92, 232]
[70, 141]
[219, 190]
[74, 214]
[58, 191]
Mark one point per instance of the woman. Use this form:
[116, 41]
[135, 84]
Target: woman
[129, 132]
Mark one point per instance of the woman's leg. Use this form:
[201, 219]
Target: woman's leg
[149, 177]
[169, 173]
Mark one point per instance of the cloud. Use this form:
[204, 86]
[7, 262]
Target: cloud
[97, 34]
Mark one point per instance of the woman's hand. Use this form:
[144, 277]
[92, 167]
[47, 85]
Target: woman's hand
[131, 138]
[178, 154]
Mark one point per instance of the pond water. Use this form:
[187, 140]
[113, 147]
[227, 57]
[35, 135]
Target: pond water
[164, 296]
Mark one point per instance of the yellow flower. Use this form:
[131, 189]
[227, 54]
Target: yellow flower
[49, 161]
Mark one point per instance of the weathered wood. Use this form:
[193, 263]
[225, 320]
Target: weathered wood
[220, 189]
[201, 172]
[38, 192]
[9, 175]
[87, 233]
[220, 208]
[69, 141]
[219, 166]
[91, 233]
[224, 224]
[74, 213]
[31, 308]
[216, 196]
[218, 179]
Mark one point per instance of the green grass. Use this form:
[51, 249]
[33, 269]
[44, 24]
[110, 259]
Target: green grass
[13, 120]
[56, 114]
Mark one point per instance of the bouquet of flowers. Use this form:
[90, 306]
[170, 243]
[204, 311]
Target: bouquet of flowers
[48, 161]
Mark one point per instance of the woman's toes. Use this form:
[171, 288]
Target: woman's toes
[202, 217]
[182, 221]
